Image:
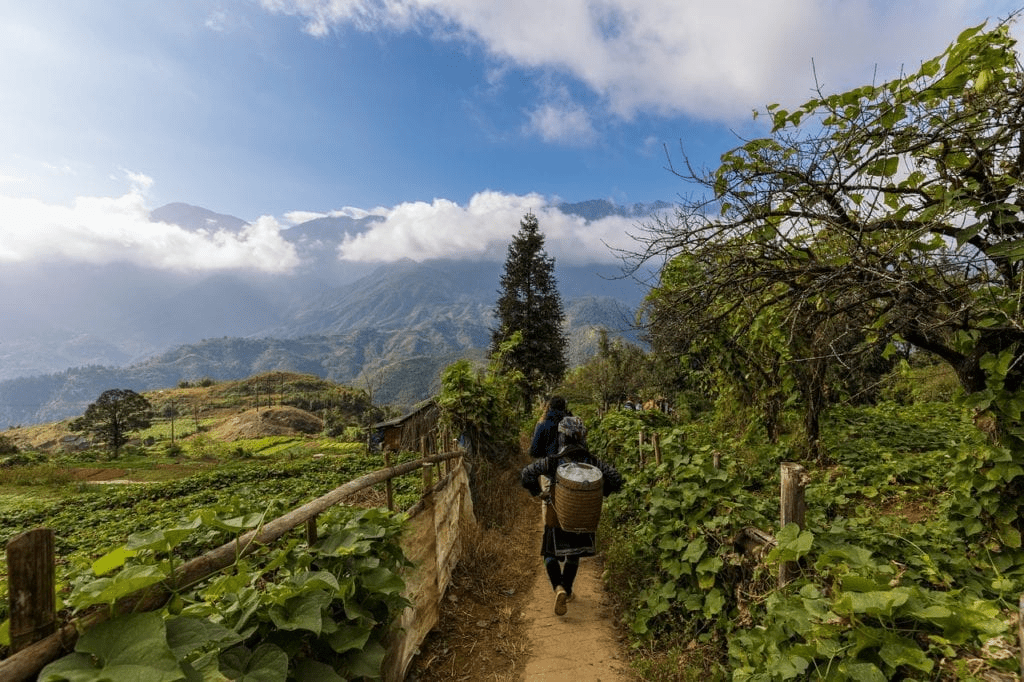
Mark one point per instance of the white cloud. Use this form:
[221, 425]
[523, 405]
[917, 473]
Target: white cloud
[710, 60]
[564, 124]
[217, 21]
[482, 229]
[103, 230]
[293, 218]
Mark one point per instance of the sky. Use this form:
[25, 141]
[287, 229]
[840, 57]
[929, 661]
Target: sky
[449, 119]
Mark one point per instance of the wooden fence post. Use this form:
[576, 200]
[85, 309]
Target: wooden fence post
[1020, 632]
[716, 460]
[792, 509]
[311, 536]
[428, 480]
[640, 448]
[31, 580]
[388, 486]
[656, 439]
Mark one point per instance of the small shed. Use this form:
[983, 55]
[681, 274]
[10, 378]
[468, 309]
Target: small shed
[408, 431]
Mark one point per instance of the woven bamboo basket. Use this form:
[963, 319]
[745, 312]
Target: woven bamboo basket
[578, 497]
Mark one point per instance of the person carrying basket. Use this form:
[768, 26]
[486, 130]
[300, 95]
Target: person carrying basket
[577, 468]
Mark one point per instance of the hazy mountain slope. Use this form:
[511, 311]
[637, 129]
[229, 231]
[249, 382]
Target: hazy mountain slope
[401, 366]
[343, 321]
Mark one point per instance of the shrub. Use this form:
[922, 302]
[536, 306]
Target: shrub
[7, 446]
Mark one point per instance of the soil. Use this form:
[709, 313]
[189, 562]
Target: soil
[272, 421]
[498, 622]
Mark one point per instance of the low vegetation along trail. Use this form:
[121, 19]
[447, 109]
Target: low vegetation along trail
[498, 620]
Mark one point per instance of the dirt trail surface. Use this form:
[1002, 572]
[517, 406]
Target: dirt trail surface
[498, 619]
[580, 646]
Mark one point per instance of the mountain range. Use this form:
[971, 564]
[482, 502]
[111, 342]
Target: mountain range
[72, 331]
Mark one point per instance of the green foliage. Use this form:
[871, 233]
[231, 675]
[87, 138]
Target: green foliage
[866, 223]
[619, 372]
[895, 583]
[480, 406]
[287, 611]
[530, 305]
[925, 382]
[87, 523]
[31, 470]
[115, 414]
[7, 446]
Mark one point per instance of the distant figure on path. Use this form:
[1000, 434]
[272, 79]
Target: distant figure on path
[560, 545]
[545, 435]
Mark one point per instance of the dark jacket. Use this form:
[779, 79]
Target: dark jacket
[545, 436]
[530, 475]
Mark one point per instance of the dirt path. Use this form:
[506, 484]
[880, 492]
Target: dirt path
[498, 621]
[581, 645]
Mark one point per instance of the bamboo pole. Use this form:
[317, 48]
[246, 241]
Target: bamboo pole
[26, 664]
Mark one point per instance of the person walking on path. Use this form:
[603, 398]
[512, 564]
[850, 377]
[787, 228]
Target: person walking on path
[559, 545]
[545, 435]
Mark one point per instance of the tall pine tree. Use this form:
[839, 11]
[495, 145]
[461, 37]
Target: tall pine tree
[529, 303]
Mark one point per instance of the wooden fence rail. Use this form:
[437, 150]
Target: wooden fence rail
[26, 664]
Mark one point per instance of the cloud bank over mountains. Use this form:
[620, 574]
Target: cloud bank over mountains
[106, 230]
[482, 230]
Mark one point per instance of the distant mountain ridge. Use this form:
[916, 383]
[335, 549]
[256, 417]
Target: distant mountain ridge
[389, 327]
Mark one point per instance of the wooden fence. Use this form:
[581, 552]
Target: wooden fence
[432, 540]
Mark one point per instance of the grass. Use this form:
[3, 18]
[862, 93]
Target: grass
[41, 475]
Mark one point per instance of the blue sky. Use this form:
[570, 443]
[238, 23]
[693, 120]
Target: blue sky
[448, 118]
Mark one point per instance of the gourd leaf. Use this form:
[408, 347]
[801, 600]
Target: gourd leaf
[713, 603]
[109, 590]
[268, 663]
[348, 637]
[308, 670]
[897, 651]
[112, 560]
[301, 612]
[317, 580]
[695, 550]
[131, 648]
[187, 635]
[863, 672]
[875, 603]
[367, 662]
[162, 539]
[383, 580]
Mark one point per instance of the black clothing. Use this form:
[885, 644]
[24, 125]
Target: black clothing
[556, 541]
[545, 436]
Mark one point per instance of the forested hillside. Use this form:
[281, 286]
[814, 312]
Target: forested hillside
[391, 332]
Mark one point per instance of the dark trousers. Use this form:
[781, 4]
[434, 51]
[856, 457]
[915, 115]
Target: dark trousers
[559, 575]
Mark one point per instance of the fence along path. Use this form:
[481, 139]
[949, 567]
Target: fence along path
[432, 540]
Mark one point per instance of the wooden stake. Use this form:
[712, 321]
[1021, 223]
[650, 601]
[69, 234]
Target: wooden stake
[428, 480]
[389, 487]
[31, 576]
[656, 439]
[792, 509]
[311, 535]
[1020, 632]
